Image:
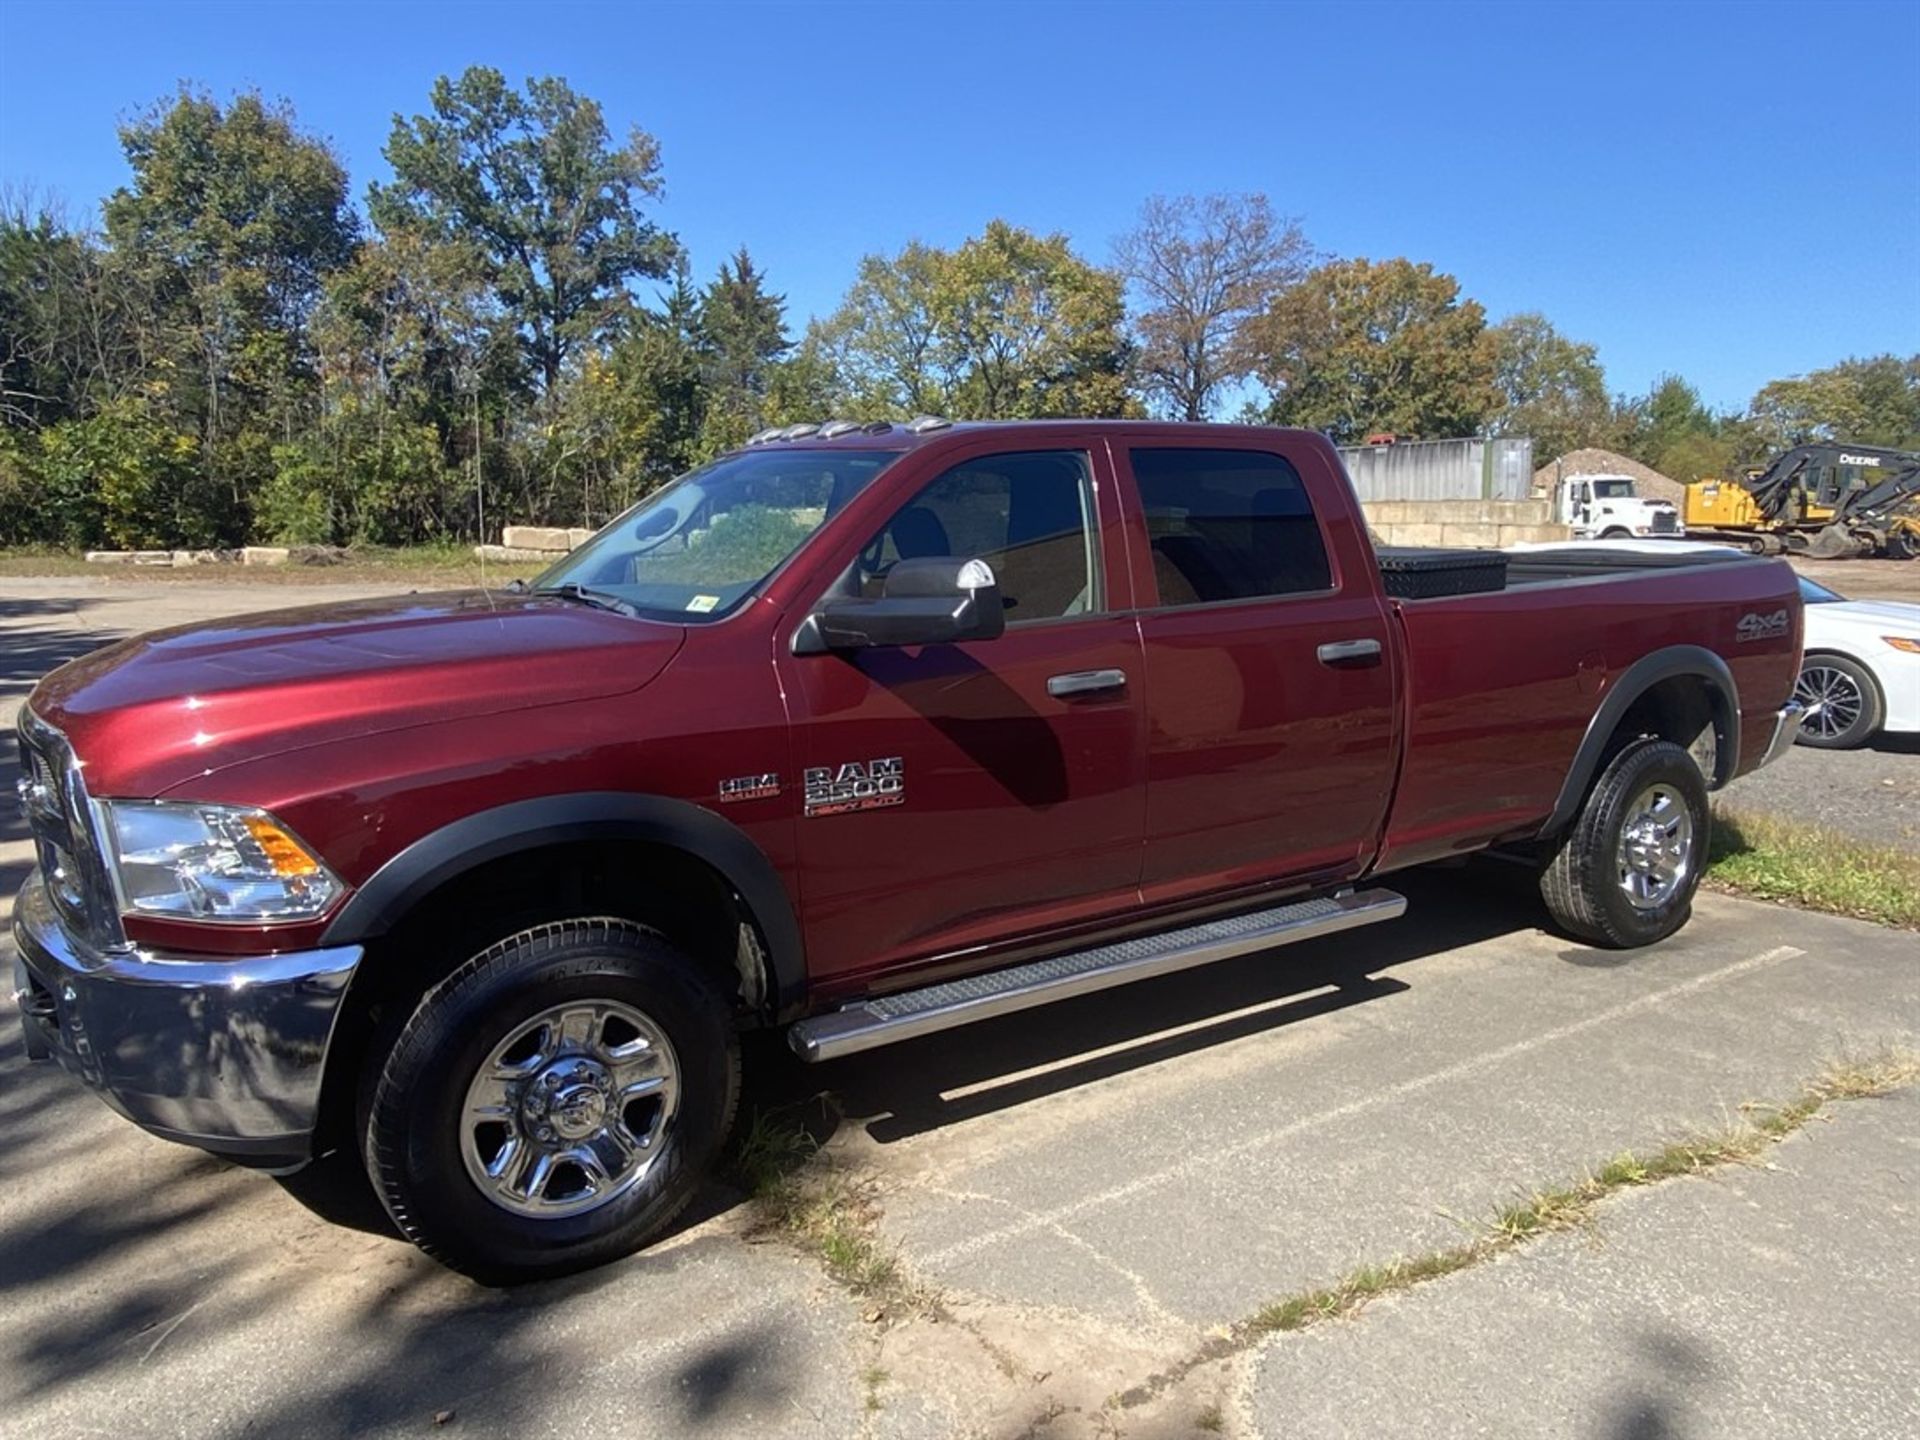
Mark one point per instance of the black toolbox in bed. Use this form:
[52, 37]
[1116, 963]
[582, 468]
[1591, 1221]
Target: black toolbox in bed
[1412, 573]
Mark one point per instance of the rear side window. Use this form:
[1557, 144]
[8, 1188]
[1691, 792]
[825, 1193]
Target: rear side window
[1228, 525]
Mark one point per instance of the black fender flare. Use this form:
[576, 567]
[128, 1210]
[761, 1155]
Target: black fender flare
[1638, 678]
[449, 852]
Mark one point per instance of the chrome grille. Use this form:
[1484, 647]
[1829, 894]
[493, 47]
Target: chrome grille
[67, 844]
[1665, 522]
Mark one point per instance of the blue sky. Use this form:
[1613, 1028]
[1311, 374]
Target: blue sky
[1726, 191]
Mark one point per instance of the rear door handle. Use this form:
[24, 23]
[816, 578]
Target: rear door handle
[1343, 652]
[1085, 682]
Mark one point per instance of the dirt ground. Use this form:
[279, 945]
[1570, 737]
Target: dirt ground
[1865, 579]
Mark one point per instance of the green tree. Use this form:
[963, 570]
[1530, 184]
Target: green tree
[67, 320]
[1361, 346]
[1550, 388]
[635, 416]
[410, 346]
[1011, 325]
[126, 475]
[884, 344]
[1862, 402]
[231, 223]
[742, 337]
[1032, 331]
[535, 182]
[1202, 268]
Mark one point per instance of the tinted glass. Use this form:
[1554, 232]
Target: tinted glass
[1028, 515]
[694, 550]
[1228, 525]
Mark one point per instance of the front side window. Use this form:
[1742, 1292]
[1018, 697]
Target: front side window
[696, 549]
[1228, 525]
[1029, 515]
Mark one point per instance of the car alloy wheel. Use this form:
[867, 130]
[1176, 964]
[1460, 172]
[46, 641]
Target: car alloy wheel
[1832, 698]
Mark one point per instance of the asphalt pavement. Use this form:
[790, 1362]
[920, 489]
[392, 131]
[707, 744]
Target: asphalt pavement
[1084, 1200]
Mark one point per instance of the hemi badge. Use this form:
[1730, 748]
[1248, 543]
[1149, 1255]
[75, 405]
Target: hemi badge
[749, 787]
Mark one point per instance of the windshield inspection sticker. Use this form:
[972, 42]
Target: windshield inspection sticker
[701, 604]
[841, 789]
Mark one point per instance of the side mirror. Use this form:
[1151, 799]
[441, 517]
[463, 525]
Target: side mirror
[933, 601]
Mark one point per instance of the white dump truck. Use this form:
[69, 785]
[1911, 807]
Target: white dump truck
[1604, 507]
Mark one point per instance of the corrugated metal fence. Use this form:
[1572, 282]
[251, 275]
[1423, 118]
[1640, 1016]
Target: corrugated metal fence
[1442, 469]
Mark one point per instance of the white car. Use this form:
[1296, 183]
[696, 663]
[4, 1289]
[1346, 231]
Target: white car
[1861, 671]
[1860, 665]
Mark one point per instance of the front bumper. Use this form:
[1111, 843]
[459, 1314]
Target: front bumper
[223, 1054]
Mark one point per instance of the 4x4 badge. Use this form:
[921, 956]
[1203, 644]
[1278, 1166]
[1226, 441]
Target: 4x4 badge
[1755, 626]
[838, 790]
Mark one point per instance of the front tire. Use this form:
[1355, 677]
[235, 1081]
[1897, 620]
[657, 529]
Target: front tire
[554, 1103]
[1624, 874]
[1844, 706]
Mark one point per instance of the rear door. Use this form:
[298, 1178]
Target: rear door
[1269, 683]
[960, 795]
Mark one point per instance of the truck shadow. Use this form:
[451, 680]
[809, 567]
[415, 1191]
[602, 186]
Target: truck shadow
[921, 1085]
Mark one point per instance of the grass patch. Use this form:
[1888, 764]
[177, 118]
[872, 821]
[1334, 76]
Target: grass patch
[1543, 1212]
[800, 1194]
[1771, 859]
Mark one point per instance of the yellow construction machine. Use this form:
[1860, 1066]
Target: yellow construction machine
[1823, 500]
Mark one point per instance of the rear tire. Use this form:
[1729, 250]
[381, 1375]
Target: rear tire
[592, 1045]
[1844, 705]
[1625, 872]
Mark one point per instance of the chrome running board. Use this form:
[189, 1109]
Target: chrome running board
[888, 1018]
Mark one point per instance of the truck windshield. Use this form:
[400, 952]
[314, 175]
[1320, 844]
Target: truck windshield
[696, 549]
[1613, 489]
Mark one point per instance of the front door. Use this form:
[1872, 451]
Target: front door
[1269, 685]
[960, 795]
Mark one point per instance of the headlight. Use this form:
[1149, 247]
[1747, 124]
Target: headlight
[213, 862]
[1908, 643]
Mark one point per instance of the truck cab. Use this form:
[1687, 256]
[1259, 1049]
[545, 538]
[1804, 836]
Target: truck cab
[1605, 507]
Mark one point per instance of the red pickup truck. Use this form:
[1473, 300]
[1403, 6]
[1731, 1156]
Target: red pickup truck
[862, 731]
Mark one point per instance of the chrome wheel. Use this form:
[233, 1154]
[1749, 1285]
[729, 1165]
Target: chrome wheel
[570, 1110]
[1655, 855]
[1833, 700]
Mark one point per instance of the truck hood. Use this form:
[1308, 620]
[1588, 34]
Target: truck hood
[148, 713]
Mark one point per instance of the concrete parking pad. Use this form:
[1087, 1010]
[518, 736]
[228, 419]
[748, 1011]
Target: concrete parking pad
[1772, 1300]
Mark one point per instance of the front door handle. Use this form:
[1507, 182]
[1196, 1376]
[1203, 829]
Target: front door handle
[1346, 652]
[1085, 682]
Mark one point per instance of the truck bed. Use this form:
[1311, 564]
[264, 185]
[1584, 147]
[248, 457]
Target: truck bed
[1501, 682]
